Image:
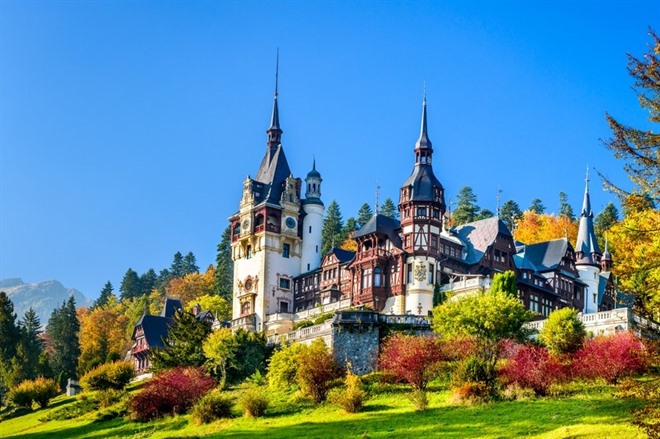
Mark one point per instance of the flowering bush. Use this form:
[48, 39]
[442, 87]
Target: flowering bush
[533, 368]
[172, 392]
[413, 359]
[611, 357]
[108, 376]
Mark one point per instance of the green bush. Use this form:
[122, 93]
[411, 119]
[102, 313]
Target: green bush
[254, 402]
[110, 397]
[324, 317]
[303, 324]
[563, 332]
[108, 376]
[82, 406]
[40, 390]
[211, 407]
[283, 366]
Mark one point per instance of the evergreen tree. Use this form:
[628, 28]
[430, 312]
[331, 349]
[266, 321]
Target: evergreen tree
[349, 227]
[63, 329]
[183, 345]
[31, 345]
[565, 209]
[105, 295]
[190, 264]
[389, 209]
[510, 214]
[9, 331]
[224, 272]
[130, 285]
[604, 221]
[148, 281]
[163, 278]
[640, 148]
[364, 215]
[537, 206]
[331, 235]
[466, 207]
[176, 269]
[484, 213]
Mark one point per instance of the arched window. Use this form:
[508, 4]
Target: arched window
[378, 277]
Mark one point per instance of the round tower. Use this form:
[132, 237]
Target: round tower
[312, 222]
[587, 254]
[422, 208]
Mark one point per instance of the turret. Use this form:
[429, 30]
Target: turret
[587, 253]
[312, 222]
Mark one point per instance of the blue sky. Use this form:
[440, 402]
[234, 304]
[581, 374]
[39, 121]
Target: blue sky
[126, 128]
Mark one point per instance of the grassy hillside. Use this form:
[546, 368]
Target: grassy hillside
[594, 413]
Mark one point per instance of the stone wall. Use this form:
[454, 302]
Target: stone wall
[355, 340]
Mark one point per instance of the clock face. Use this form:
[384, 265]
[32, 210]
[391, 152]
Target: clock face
[290, 222]
[246, 224]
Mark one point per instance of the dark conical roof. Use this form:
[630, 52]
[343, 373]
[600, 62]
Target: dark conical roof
[424, 142]
[586, 242]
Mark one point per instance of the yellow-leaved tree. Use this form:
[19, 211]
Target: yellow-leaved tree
[539, 227]
[192, 286]
[102, 335]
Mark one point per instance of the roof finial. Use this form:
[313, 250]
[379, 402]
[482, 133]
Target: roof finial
[377, 193]
[586, 179]
[277, 69]
[499, 197]
[424, 142]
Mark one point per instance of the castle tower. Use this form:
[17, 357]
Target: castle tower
[266, 240]
[587, 253]
[421, 207]
[606, 261]
[312, 222]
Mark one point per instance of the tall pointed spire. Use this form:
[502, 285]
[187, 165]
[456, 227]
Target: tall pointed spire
[274, 131]
[587, 245]
[423, 142]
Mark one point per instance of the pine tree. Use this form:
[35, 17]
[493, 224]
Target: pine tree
[466, 207]
[9, 331]
[148, 281]
[105, 295]
[537, 206]
[176, 269]
[224, 272]
[130, 285]
[190, 264]
[63, 329]
[484, 214]
[31, 345]
[639, 148]
[565, 209]
[184, 343]
[604, 221]
[389, 209]
[331, 235]
[510, 214]
[364, 215]
[163, 278]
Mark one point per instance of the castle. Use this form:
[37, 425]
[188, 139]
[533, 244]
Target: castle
[279, 272]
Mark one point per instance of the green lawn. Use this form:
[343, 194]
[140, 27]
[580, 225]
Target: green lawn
[594, 414]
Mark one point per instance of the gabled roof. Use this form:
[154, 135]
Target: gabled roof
[477, 236]
[543, 256]
[272, 173]
[342, 255]
[155, 329]
[383, 225]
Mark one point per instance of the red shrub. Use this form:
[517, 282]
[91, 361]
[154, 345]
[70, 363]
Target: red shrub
[412, 359]
[611, 357]
[172, 392]
[532, 367]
